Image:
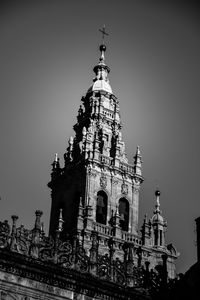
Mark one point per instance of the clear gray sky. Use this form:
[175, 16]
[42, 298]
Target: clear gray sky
[47, 52]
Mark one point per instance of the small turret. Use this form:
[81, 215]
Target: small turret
[157, 217]
[116, 225]
[158, 223]
[146, 231]
[68, 156]
[138, 162]
[101, 70]
[56, 163]
[55, 167]
[38, 215]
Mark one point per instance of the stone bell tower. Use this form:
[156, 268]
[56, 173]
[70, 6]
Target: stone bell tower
[97, 188]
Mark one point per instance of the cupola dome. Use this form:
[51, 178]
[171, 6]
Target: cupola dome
[101, 81]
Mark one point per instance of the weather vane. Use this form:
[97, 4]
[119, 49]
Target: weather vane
[103, 31]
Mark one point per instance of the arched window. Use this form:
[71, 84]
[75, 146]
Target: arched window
[124, 213]
[101, 207]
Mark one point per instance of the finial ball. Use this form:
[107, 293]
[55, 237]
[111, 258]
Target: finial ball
[157, 193]
[102, 48]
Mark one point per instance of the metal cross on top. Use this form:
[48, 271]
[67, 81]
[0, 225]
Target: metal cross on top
[103, 31]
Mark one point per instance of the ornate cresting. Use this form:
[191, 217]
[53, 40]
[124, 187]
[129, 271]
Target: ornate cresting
[70, 255]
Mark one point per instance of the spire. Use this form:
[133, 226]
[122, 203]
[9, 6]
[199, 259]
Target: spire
[56, 169]
[56, 157]
[138, 162]
[157, 217]
[68, 156]
[102, 48]
[146, 231]
[38, 215]
[159, 225]
[101, 70]
[56, 163]
[157, 194]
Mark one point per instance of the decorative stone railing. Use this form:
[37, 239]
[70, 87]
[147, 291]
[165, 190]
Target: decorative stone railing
[102, 229]
[125, 236]
[126, 167]
[122, 166]
[132, 238]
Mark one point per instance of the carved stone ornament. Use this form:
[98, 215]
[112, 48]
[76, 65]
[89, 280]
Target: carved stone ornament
[124, 189]
[114, 181]
[136, 189]
[89, 169]
[103, 181]
[99, 124]
[93, 173]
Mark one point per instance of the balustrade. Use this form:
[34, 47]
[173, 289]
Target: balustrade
[126, 167]
[130, 237]
[103, 229]
[125, 236]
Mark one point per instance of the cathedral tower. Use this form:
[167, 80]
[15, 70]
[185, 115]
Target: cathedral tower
[97, 189]
[97, 176]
